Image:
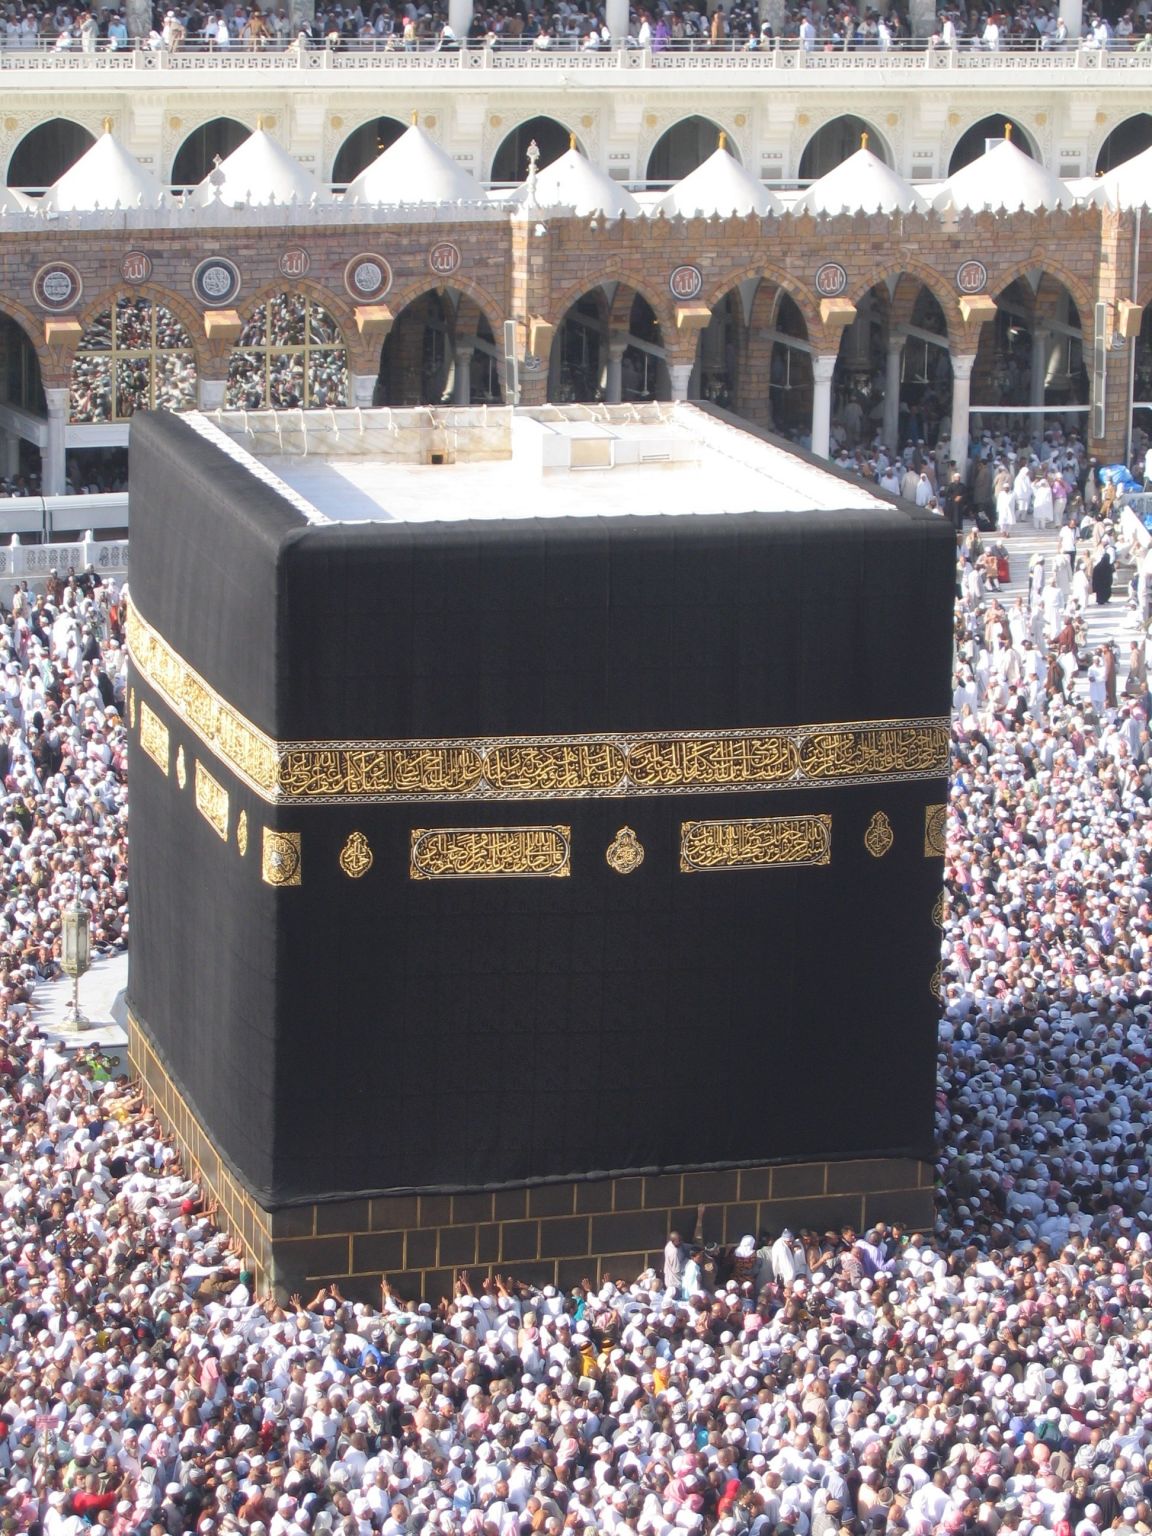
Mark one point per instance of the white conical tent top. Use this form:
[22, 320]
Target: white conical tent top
[1004, 177]
[574, 182]
[1128, 185]
[860, 184]
[414, 170]
[105, 176]
[259, 172]
[720, 186]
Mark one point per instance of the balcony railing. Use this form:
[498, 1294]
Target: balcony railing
[822, 57]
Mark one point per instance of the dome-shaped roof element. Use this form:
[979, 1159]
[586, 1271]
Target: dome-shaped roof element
[1004, 177]
[1127, 185]
[414, 170]
[574, 182]
[720, 186]
[257, 173]
[860, 184]
[105, 176]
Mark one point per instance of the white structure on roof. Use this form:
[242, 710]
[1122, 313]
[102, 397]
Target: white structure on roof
[414, 170]
[572, 182]
[861, 184]
[259, 172]
[721, 186]
[105, 176]
[1004, 177]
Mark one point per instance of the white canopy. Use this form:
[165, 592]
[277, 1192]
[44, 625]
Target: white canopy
[105, 176]
[861, 184]
[1004, 177]
[256, 174]
[574, 182]
[1128, 185]
[720, 186]
[414, 170]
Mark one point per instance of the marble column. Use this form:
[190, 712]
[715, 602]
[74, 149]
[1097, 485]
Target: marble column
[53, 468]
[892, 393]
[614, 376]
[362, 389]
[822, 371]
[210, 394]
[962, 367]
[462, 379]
[681, 376]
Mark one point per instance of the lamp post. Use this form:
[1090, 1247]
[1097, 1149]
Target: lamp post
[76, 955]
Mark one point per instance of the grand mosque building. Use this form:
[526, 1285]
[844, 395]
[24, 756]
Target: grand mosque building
[924, 243]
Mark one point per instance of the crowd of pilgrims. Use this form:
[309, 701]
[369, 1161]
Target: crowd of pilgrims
[575, 23]
[992, 1376]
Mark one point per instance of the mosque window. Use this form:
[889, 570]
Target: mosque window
[135, 356]
[290, 353]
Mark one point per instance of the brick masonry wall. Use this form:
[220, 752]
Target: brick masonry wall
[557, 1233]
[510, 271]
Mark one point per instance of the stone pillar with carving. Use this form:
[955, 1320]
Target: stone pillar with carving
[53, 468]
[822, 370]
[962, 366]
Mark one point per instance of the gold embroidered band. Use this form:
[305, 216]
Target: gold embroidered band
[577, 766]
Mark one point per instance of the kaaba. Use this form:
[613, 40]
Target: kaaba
[536, 823]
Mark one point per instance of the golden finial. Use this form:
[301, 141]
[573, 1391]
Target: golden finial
[863, 141]
[722, 140]
[571, 141]
[415, 118]
[107, 125]
[1008, 130]
[259, 123]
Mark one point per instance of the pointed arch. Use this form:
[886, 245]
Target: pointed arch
[970, 143]
[216, 136]
[46, 152]
[362, 146]
[835, 140]
[552, 138]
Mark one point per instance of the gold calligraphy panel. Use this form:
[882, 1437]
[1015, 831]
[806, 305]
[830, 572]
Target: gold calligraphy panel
[465, 853]
[704, 762]
[574, 766]
[854, 752]
[211, 800]
[379, 773]
[758, 842]
[558, 768]
[154, 737]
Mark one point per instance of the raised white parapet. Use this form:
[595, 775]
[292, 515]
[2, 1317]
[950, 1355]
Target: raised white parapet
[36, 562]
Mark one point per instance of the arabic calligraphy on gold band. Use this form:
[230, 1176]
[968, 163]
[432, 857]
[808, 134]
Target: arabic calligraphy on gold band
[465, 853]
[576, 766]
[759, 842]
